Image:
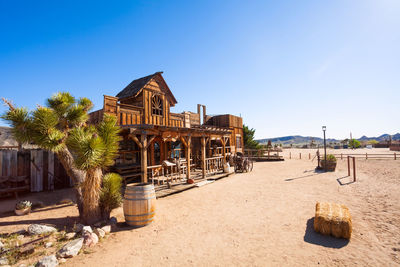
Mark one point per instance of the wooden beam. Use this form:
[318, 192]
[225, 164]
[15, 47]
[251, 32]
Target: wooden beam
[188, 149]
[150, 140]
[134, 138]
[183, 141]
[143, 161]
[203, 156]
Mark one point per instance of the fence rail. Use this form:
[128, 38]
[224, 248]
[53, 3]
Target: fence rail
[394, 156]
[214, 165]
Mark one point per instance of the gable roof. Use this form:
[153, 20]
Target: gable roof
[136, 86]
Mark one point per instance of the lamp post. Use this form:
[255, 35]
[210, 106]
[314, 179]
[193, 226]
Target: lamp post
[324, 129]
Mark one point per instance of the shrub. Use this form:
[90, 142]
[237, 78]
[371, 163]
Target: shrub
[23, 204]
[330, 157]
[110, 194]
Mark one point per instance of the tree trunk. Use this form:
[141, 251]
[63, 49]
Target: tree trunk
[91, 194]
[77, 176]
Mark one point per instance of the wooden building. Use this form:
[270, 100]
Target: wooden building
[158, 144]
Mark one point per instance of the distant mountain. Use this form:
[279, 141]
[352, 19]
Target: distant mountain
[302, 140]
[295, 140]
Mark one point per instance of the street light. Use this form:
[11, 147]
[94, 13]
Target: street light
[324, 129]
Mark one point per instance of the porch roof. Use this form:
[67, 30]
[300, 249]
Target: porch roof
[194, 131]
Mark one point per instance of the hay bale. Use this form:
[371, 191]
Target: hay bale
[332, 219]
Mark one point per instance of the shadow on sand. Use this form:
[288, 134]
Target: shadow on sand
[345, 180]
[312, 237]
[313, 173]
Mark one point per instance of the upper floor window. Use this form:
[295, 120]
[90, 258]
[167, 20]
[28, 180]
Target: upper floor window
[157, 105]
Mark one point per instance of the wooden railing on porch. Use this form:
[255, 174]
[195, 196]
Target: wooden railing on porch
[214, 165]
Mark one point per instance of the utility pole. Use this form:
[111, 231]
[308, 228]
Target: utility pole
[324, 129]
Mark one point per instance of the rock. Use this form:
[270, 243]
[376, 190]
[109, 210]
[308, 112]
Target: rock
[62, 260]
[90, 239]
[3, 261]
[48, 261]
[70, 236]
[87, 229]
[1, 246]
[78, 227]
[20, 237]
[48, 245]
[37, 229]
[100, 232]
[70, 249]
[113, 220]
[106, 229]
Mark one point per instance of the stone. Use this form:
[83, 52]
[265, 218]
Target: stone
[38, 229]
[70, 249]
[70, 236]
[20, 237]
[62, 260]
[113, 220]
[106, 229]
[99, 232]
[48, 261]
[90, 239]
[48, 245]
[78, 227]
[1, 246]
[3, 261]
[87, 229]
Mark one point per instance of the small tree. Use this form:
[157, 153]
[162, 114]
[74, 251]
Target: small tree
[373, 142]
[248, 138]
[354, 143]
[84, 150]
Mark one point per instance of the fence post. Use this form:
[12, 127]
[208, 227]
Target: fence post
[300, 155]
[290, 155]
[309, 155]
[366, 155]
[354, 168]
[341, 156]
[348, 165]
[394, 155]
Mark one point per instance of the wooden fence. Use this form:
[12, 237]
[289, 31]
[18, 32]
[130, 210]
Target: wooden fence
[394, 156]
[32, 170]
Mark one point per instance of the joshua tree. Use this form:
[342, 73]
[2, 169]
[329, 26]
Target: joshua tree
[84, 150]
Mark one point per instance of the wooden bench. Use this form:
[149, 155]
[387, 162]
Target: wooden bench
[13, 185]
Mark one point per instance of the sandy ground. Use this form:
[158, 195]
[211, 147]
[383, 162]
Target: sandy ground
[263, 218]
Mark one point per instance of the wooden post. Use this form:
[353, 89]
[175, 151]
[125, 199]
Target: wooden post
[143, 159]
[309, 155]
[203, 156]
[188, 150]
[290, 155]
[366, 155]
[394, 155]
[341, 156]
[300, 155]
[354, 168]
[348, 165]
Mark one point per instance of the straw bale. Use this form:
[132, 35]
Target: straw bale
[332, 219]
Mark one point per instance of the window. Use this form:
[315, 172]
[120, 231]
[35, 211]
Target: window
[238, 142]
[157, 153]
[157, 105]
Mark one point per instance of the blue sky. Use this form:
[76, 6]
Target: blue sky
[287, 67]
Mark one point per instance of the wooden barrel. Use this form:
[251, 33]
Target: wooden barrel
[139, 204]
